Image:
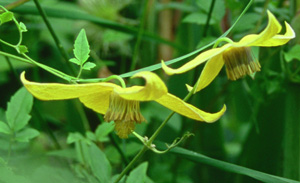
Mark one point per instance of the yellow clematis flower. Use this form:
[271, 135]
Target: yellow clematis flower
[118, 104]
[236, 56]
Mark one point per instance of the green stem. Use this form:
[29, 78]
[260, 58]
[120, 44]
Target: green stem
[80, 71]
[8, 44]
[15, 57]
[19, 30]
[51, 70]
[28, 60]
[53, 34]
[139, 37]
[155, 134]
[128, 167]
[225, 39]
[15, 4]
[82, 154]
[212, 5]
[10, 65]
[121, 80]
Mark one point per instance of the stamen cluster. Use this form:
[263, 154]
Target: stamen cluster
[239, 62]
[125, 113]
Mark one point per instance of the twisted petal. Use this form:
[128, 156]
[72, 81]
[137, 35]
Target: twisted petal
[279, 39]
[202, 57]
[209, 73]
[56, 91]
[177, 105]
[272, 29]
[153, 89]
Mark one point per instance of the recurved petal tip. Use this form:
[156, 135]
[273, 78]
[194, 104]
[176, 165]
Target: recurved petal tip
[167, 69]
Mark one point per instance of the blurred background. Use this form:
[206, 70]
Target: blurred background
[260, 129]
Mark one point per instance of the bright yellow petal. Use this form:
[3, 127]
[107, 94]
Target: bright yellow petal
[272, 29]
[153, 89]
[179, 106]
[99, 102]
[280, 39]
[202, 57]
[209, 73]
[56, 91]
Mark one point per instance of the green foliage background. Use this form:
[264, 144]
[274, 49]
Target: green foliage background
[257, 140]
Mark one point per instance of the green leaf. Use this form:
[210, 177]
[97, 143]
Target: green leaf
[229, 167]
[81, 47]
[18, 109]
[6, 17]
[26, 134]
[99, 164]
[293, 53]
[103, 130]
[4, 128]
[74, 137]
[138, 174]
[75, 61]
[91, 136]
[22, 49]
[22, 27]
[197, 18]
[88, 66]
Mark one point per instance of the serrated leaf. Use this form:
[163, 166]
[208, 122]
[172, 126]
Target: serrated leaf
[6, 17]
[81, 47]
[75, 61]
[88, 66]
[22, 49]
[26, 134]
[18, 109]
[138, 174]
[103, 130]
[22, 27]
[74, 137]
[4, 128]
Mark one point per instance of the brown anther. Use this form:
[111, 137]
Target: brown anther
[239, 62]
[125, 113]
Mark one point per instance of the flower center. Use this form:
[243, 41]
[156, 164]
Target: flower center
[125, 113]
[239, 62]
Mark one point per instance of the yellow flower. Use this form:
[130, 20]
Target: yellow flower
[236, 56]
[118, 104]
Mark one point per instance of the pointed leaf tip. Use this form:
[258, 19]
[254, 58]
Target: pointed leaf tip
[81, 47]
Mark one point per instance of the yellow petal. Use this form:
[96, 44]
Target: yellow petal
[179, 106]
[153, 89]
[56, 91]
[209, 73]
[280, 39]
[202, 57]
[272, 29]
[99, 102]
